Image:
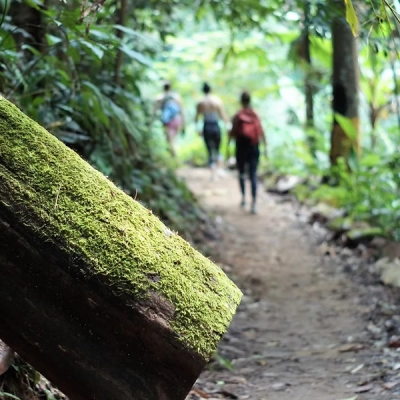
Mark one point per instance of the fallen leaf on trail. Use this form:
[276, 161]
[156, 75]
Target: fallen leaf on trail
[270, 375]
[390, 385]
[229, 394]
[380, 344]
[374, 329]
[280, 386]
[351, 398]
[199, 393]
[396, 366]
[351, 347]
[394, 343]
[364, 389]
[356, 369]
[237, 379]
[377, 376]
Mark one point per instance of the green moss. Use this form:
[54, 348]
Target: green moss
[71, 203]
[302, 192]
[365, 233]
[340, 224]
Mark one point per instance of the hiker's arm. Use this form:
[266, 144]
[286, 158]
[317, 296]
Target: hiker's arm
[199, 112]
[228, 148]
[233, 131]
[264, 140]
[231, 135]
[180, 102]
[223, 115]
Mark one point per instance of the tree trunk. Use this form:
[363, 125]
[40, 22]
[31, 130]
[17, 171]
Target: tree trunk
[121, 20]
[6, 357]
[30, 20]
[308, 86]
[95, 292]
[396, 91]
[345, 85]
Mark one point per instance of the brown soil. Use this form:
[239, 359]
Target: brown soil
[300, 331]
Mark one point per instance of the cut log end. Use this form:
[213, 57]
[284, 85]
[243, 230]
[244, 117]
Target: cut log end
[6, 357]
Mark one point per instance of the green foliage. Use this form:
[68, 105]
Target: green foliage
[351, 16]
[223, 362]
[369, 193]
[347, 126]
[192, 150]
[9, 395]
[72, 85]
[220, 57]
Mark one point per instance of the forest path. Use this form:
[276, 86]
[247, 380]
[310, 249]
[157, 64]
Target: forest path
[290, 337]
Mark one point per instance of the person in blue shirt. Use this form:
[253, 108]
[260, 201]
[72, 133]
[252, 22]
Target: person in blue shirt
[172, 115]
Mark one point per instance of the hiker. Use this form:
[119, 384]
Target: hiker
[247, 132]
[172, 116]
[211, 109]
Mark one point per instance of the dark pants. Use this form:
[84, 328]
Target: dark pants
[248, 159]
[212, 139]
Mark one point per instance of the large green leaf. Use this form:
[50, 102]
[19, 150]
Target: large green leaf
[96, 49]
[135, 55]
[347, 125]
[9, 395]
[371, 160]
[351, 16]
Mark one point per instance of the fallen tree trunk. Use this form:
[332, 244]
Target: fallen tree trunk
[96, 292]
[6, 357]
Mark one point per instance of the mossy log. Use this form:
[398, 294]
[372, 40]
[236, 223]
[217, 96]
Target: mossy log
[95, 291]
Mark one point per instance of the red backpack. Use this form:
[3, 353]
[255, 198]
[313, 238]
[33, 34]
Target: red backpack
[247, 124]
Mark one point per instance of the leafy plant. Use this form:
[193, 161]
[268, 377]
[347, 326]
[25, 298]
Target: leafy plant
[9, 395]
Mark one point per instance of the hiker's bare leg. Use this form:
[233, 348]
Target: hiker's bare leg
[253, 180]
[170, 140]
[210, 145]
[242, 181]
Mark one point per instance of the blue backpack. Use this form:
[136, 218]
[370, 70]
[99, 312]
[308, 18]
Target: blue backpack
[170, 110]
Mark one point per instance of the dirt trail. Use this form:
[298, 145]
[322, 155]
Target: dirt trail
[290, 338]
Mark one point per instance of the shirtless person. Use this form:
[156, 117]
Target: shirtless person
[172, 116]
[212, 110]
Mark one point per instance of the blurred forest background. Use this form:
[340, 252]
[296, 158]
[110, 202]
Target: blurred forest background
[89, 73]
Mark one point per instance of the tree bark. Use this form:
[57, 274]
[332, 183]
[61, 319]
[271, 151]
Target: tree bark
[95, 292]
[345, 85]
[121, 20]
[30, 20]
[6, 357]
[308, 86]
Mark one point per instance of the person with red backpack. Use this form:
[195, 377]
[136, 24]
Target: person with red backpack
[248, 133]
